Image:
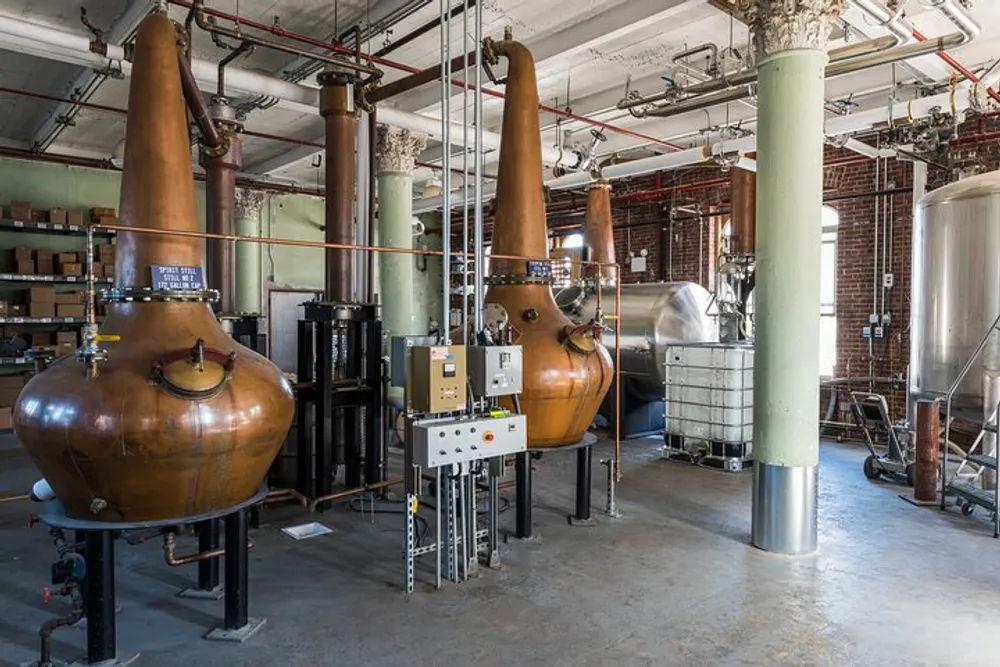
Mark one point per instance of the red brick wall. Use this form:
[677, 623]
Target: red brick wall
[686, 249]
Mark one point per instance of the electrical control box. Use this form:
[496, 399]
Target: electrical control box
[495, 370]
[438, 443]
[436, 379]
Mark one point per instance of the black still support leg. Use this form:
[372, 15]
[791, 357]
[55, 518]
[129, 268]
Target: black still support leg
[237, 625]
[208, 570]
[303, 405]
[584, 462]
[100, 596]
[324, 424]
[522, 472]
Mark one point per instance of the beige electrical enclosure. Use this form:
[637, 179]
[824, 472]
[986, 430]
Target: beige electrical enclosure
[436, 379]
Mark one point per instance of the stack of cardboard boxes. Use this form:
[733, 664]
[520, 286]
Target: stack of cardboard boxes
[40, 301]
[43, 262]
[10, 387]
[22, 211]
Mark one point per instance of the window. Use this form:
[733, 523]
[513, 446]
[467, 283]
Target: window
[572, 241]
[828, 294]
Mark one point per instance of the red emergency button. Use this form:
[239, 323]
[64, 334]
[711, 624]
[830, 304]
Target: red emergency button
[488, 436]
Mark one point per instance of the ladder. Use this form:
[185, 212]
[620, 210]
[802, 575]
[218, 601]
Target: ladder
[965, 483]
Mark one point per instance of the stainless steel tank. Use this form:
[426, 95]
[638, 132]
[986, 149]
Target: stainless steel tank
[654, 315]
[956, 290]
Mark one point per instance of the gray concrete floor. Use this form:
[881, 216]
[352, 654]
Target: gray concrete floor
[673, 582]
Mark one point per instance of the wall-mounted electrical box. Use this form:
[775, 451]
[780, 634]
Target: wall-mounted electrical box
[438, 443]
[436, 378]
[495, 370]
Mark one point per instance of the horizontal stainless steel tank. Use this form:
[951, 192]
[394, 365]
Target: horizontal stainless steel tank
[956, 289]
[654, 315]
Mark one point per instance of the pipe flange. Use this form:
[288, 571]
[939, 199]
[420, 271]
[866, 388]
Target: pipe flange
[519, 279]
[148, 294]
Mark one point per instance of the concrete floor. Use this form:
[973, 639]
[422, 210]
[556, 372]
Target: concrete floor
[673, 582]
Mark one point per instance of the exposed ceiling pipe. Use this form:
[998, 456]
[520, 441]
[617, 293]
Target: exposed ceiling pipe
[842, 125]
[391, 64]
[883, 17]
[837, 69]
[52, 44]
[958, 15]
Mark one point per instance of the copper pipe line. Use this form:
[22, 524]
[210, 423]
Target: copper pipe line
[196, 103]
[959, 67]
[201, 12]
[421, 78]
[169, 547]
[341, 50]
[319, 244]
[618, 370]
[10, 499]
[353, 492]
[277, 495]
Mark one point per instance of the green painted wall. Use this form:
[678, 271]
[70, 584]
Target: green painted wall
[48, 186]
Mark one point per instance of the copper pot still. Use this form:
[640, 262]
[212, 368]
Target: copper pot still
[179, 419]
[567, 371]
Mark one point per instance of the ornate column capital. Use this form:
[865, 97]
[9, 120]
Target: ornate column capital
[248, 203]
[397, 149]
[783, 25]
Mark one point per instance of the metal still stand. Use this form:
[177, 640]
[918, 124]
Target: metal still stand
[98, 578]
[340, 389]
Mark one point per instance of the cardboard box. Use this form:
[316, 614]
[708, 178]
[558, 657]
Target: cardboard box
[64, 349]
[20, 210]
[67, 258]
[13, 381]
[76, 217]
[109, 270]
[38, 309]
[71, 269]
[8, 397]
[40, 294]
[38, 215]
[43, 254]
[66, 337]
[105, 252]
[69, 310]
[107, 220]
[45, 267]
[17, 309]
[69, 297]
[57, 216]
[22, 253]
[98, 212]
[36, 339]
[3, 309]
[6, 419]
[25, 267]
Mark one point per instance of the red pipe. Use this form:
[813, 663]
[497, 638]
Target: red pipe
[959, 67]
[278, 31]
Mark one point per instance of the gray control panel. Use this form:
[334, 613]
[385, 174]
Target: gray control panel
[439, 443]
[495, 370]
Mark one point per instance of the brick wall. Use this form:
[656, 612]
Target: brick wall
[686, 250]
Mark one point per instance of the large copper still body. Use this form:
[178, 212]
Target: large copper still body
[567, 371]
[179, 420]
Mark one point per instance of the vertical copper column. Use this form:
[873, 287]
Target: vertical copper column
[221, 164]
[337, 109]
[743, 205]
[925, 475]
[598, 234]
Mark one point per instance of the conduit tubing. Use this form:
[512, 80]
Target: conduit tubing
[747, 88]
[337, 49]
[292, 96]
[196, 104]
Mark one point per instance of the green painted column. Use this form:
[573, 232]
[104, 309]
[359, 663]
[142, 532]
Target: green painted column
[791, 41]
[427, 284]
[397, 152]
[249, 280]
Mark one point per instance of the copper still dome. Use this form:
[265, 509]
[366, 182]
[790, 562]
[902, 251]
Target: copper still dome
[567, 371]
[179, 420]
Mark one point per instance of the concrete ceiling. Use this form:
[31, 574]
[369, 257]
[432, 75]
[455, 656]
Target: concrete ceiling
[585, 50]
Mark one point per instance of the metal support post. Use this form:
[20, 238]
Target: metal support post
[208, 569]
[584, 462]
[522, 473]
[494, 469]
[306, 357]
[323, 427]
[611, 500]
[451, 537]
[99, 596]
[437, 527]
[237, 625]
[352, 415]
[373, 428]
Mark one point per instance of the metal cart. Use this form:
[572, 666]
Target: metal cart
[872, 415]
